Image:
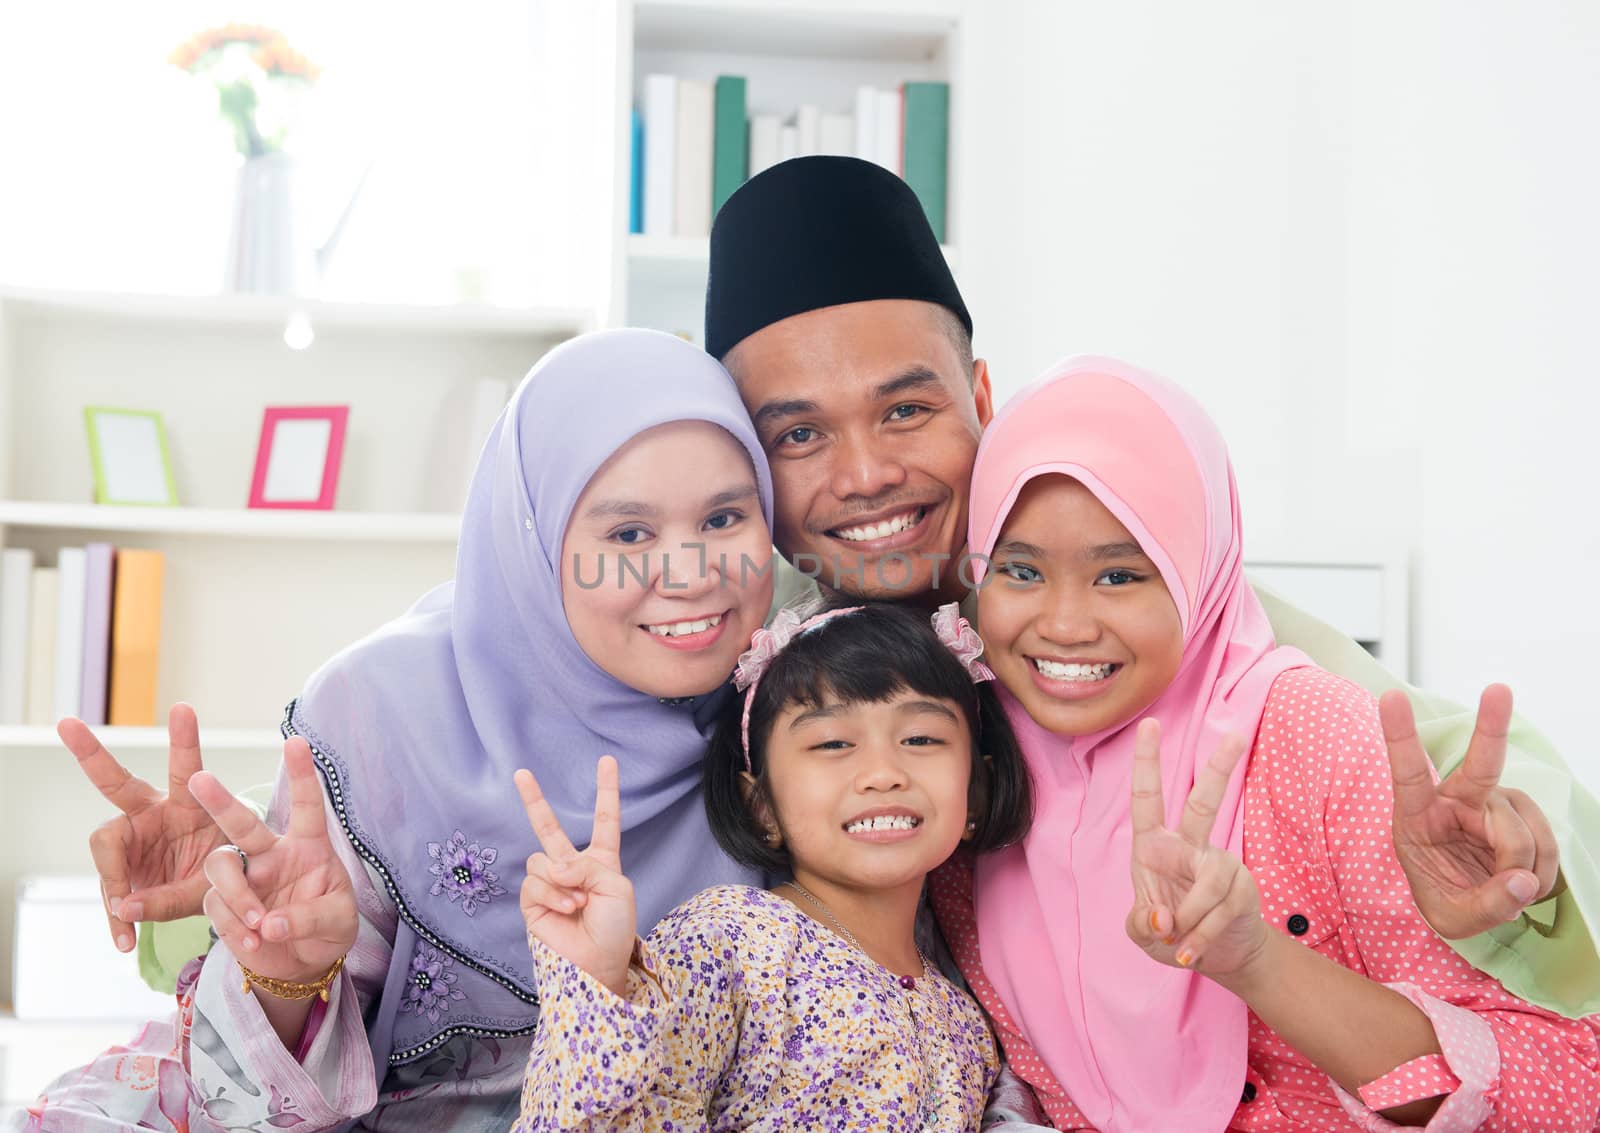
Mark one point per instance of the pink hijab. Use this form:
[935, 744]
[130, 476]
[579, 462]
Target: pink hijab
[1137, 1045]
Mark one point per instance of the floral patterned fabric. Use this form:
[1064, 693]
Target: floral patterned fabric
[749, 1015]
[461, 872]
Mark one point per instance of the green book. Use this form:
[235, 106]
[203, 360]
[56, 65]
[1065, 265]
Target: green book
[927, 148]
[730, 145]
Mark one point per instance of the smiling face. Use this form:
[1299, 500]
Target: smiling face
[1078, 624]
[663, 565]
[870, 419]
[870, 795]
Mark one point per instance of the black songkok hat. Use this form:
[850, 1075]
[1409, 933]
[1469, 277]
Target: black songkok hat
[816, 232]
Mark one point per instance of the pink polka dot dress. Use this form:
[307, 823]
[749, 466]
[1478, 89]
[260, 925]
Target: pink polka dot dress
[1318, 805]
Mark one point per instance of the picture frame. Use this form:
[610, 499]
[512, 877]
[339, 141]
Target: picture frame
[131, 462]
[298, 457]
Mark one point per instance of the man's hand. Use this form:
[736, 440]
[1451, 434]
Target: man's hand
[1476, 853]
[151, 857]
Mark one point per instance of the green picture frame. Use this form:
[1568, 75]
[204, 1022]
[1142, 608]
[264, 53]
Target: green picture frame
[128, 452]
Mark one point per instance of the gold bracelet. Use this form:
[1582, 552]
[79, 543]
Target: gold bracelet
[288, 989]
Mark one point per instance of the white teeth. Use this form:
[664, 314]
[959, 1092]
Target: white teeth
[884, 822]
[680, 629]
[878, 530]
[1056, 671]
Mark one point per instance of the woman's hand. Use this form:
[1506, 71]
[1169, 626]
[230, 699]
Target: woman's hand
[283, 904]
[579, 904]
[150, 856]
[1194, 904]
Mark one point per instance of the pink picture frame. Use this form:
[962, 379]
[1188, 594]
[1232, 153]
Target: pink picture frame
[298, 456]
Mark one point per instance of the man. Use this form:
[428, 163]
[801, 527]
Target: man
[831, 304]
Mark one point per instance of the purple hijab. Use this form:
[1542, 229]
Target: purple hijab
[418, 727]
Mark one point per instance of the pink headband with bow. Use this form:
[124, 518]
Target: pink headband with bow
[953, 630]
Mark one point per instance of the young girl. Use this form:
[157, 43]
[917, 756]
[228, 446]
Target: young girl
[863, 753]
[1263, 968]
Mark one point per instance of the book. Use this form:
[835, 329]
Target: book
[100, 568]
[691, 194]
[764, 153]
[867, 123]
[135, 639]
[16, 584]
[808, 123]
[886, 134]
[926, 148]
[636, 174]
[72, 564]
[837, 135]
[42, 603]
[730, 158]
[788, 143]
[660, 132]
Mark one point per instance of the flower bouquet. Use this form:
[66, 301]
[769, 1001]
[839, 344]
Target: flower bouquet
[259, 80]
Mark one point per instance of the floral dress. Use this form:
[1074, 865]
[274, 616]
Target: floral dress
[744, 1013]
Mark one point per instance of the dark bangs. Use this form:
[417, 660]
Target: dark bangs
[867, 657]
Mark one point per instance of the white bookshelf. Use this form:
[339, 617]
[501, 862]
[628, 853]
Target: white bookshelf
[274, 312]
[810, 51]
[253, 601]
[233, 523]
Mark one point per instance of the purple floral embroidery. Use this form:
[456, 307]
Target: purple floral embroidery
[461, 872]
[431, 984]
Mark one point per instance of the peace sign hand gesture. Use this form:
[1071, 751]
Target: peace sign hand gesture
[579, 904]
[1195, 905]
[283, 904]
[1475, 853]
[149, 856]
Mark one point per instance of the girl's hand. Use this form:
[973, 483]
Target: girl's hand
[1194, 905]
[286, 909]
[581, 905]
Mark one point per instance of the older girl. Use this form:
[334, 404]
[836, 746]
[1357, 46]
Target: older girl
[1263, 967]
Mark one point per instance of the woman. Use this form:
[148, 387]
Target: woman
[613, 564]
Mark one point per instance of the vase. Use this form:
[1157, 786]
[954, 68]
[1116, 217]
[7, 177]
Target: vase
[265, 255]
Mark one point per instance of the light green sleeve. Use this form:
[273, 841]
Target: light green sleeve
[1548, 955]
[789, 586]
[166, 946]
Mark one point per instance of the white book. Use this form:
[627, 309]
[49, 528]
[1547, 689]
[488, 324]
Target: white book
[764, 129]
[660, 129]
[887, 131]
[73, 565]
[837, 135]
[488, 398]
[808, 122]
[867, 123]
[691, 195]
[788, 143]
[16, 583]
[42, 648]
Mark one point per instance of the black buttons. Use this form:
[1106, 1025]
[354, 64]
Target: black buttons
[1249, 1094]
[1298, 925]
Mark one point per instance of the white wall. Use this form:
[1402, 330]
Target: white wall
[1365, 236]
